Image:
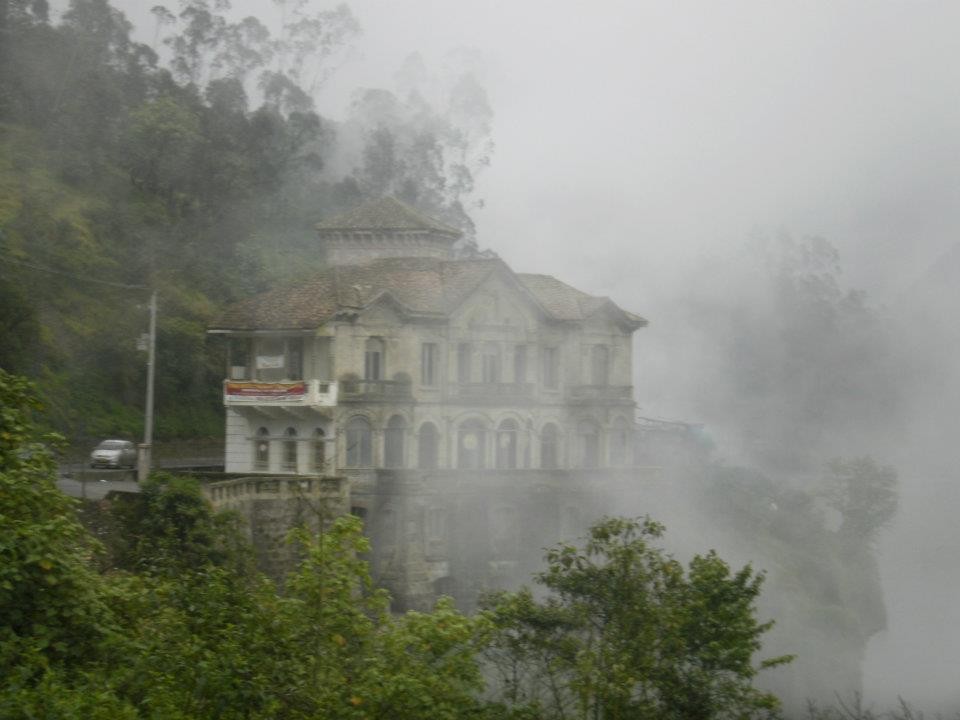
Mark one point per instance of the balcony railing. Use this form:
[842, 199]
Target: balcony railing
[374, 390]
[287, 393]
[498, 391]
[601, 393]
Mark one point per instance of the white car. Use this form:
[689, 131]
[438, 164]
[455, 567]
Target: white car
[114, 454]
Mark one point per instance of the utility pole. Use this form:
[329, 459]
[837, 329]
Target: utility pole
[146, 447]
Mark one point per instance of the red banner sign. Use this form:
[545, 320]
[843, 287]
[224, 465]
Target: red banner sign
[266, 391]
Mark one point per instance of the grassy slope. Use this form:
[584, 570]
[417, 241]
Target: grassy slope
[85, 358]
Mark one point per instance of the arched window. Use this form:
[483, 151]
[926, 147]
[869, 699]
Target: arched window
[319, 451]
[290, 450]
[471, 445]
[589, 444]
[619, 443]
[359, 443]
[427, 444]
[393, 442]
[373, 367]
[549, 447]
[261, 450]
[507, 445]
[600, 365]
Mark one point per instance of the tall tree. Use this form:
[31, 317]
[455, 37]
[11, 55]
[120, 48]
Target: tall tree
[628, 632]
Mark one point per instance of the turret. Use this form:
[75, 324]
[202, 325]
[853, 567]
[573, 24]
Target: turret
[384, 228]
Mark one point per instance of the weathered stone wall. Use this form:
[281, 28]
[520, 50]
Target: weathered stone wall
[462, 533]
[270, 507]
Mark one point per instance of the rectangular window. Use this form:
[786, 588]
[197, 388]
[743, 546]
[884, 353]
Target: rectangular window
[428, 364]
[463, 362]
[371, 365]
[276, 359]
[491, 364]
[290, 455]
[600, 365]
[295, 359]
[520, 364]
[551, 368]
[240, 359]
[359, 444]
[323, 358]
[271, 359]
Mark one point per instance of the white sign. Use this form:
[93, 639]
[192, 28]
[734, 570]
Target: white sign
[269, 362]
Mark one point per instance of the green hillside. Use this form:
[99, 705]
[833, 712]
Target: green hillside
[200, 177]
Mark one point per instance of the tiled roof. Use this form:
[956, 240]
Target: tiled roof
[564, 302]
[385, 214]
[423, 286]
[559, 299]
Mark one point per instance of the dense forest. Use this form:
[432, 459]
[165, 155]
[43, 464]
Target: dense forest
[196, 165]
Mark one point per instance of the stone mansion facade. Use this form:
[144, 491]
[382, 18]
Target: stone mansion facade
[446, 393]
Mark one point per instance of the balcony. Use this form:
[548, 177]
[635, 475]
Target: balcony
[375, 390]
[601, 394]
[494, 392]
[295, 393]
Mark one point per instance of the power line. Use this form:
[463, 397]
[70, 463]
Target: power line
[41, 268]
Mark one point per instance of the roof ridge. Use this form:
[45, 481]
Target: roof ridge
[385, 213]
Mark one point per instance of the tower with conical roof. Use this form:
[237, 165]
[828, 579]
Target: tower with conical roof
[384, 228]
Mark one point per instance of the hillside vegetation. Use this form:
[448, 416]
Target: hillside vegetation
[196, 167]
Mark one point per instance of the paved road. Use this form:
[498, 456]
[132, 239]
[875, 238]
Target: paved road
[94, 484]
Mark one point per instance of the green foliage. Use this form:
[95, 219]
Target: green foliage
[209, 643]
[181, 627]
[358, 648]
[627, 631]
[170, 529]
[51, 607]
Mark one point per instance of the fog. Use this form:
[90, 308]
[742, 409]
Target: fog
[636, 142]
[641, 147]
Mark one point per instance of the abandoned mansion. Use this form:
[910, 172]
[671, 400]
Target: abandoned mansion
[436, 396]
